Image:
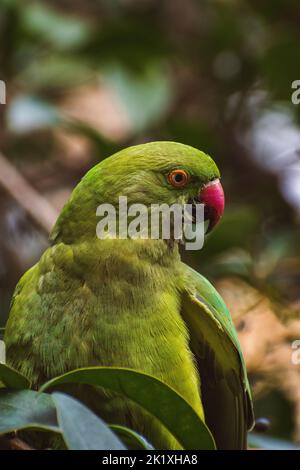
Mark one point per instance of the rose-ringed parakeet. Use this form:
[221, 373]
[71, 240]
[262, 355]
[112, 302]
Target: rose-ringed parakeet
[133, 303]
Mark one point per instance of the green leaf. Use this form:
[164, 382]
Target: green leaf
[145, 97]
[153, 395]
[12, 378]
[26, 409]
[55, 72]
[131, 439]
[62, 31]
[82, 429]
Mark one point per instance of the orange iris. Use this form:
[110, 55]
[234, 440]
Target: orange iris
[178, 178]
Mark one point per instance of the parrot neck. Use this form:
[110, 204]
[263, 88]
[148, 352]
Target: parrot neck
[128, 264]
[163, 253]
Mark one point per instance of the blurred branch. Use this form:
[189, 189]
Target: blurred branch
[18, 444]
[7, 442]
[42, 212]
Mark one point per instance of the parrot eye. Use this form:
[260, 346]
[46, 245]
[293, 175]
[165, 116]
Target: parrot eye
[178, 178]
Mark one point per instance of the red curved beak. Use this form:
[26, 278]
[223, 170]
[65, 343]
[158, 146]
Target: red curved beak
[212, 196]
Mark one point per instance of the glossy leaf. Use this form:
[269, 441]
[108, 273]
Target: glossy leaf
[82, 429]
[132, 439]
[13, 379]
[153, 395]
[26, 409]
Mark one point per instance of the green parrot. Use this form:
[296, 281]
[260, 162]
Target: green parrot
[132, 302]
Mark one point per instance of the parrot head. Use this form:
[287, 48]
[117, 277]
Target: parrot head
[151, 173]
[165, 172]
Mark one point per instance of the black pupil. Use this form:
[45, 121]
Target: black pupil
[178, 177]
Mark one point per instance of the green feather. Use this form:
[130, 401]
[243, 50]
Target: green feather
[226, 392]
[127, 303]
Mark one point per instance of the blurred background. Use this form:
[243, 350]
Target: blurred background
[86, 78]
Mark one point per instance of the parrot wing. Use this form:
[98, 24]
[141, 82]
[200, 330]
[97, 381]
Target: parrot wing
[225, 389]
